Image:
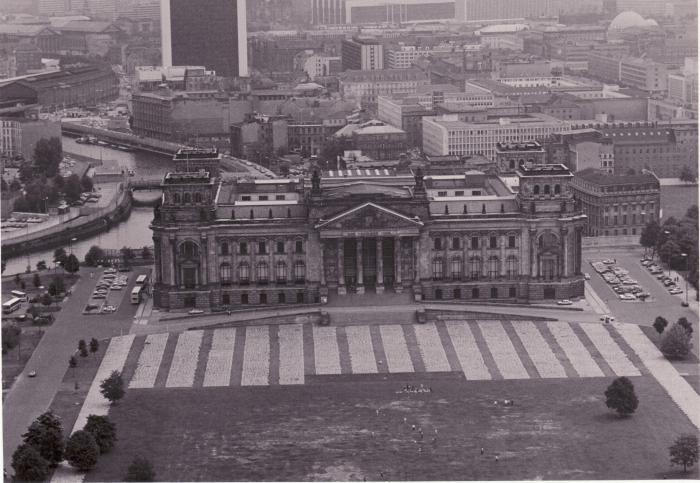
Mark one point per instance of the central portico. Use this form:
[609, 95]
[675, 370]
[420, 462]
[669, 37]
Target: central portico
[371, 246]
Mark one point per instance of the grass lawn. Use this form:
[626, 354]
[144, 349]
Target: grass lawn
[14, 361]
[68, 400]
[355, 427]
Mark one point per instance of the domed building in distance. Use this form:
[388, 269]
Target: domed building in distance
[631, 19]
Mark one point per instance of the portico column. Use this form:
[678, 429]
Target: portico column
[398, 287]
[380, 267]
[341, 267]
[360, 282]
[323, 265]
[564, 237]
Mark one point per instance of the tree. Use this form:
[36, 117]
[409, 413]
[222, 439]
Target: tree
[46, 300]
[684, 451]
[71, 264]
[660, 324]
[140, 469]
[620, 396]
[82, 450]
[146, 253]
[59, 255]
[72, 189]
[45, 434]
[83, 352]
[669, 250]
[127, 255]
[81, 344]
[692, 213]
[18, 280]
[47, 156]
[112, 388]
[687, 175]
[103, 430]
[677, 343]
[36, 280]
[41, 265]
[94, 345]
[687, 325]
[29, 465]
[10, 337]
[72, 362]
[56, 287]
[86, 183]
[34, 311]
[94, 256]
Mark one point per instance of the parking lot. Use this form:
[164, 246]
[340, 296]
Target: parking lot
[639, 311]
[110, 290]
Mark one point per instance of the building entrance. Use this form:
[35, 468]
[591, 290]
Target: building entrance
[369, 262]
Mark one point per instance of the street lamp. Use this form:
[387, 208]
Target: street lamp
[667, 233]
[70, 245]
[687, 272]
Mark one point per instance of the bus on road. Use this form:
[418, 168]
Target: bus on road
[20, 295]
[141, 279]
[136, 294]
[11, 305]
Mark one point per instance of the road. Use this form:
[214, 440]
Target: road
[29, 397]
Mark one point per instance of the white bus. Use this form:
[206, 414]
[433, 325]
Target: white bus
[20, 295]
[136, 294]
[11, 305]
[141, 279]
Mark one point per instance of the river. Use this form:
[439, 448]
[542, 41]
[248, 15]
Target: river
[133, 232]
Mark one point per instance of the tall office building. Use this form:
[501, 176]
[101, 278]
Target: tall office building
[211, 33]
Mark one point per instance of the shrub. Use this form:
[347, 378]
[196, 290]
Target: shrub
[82, 450]
[112, 388]
[686, 324]
[72, 362]
[83, 352]
[103, 430]
[677, 343]
[10, 337]
[660, 324]
[140, 470]
[684, 451]
[46, 436]
[94, 345]
[28, 464]
[620, 396]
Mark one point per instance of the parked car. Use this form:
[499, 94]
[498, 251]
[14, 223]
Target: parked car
[32, 374]
[587, 276]
[675, 291]
[607, 318]
[99, 296]
[564, 302]
[195, 312]
[627, 296]
[110, 270]
[608, 261]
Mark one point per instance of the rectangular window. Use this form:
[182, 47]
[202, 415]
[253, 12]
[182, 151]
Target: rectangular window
[442, 193]
[455, 243]
[475, 243]
[511, 242]
[262, 198]
[476, 193]
[280, 247]
[279, 197]
[299, 246]
[245, 198]
[262, 248]
[493, 242]
[243, 248]
[226, 299]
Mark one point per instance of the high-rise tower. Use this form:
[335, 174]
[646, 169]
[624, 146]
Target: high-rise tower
[211, 33]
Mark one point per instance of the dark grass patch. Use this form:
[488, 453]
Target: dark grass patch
[413, 349]
[74, 388]
[694, 382]
[520, 349]
[489, 361]
[558, 429]
[592, 350]
[446, 341]
[343, 351]
[378, 347]
[202, 357]
[166, 360]
[15, 359]
[558, 351]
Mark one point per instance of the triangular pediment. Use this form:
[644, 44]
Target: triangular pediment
[369, 216]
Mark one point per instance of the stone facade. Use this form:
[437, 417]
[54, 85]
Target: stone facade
[288, 241]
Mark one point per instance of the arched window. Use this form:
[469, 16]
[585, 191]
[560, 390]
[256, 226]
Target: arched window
[281, 272]
[225, 273]
[521, 162]
[437, 269]
[546, 189]
[512, 267]
[437, 244]
[536, 189]
[456, 268]
[244, 272]
[494, 266]
[511, 164]
[176, 198]
[262, 272]
[475, 268]
[198, 197]
[189, 250]
[187, 198]
[557, 189]
[299, 271]
[548, 240]
[224, 248]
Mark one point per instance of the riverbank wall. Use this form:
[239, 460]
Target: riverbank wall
[80, 227]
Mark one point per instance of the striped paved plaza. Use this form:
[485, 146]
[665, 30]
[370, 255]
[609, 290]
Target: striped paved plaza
[481, 350]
